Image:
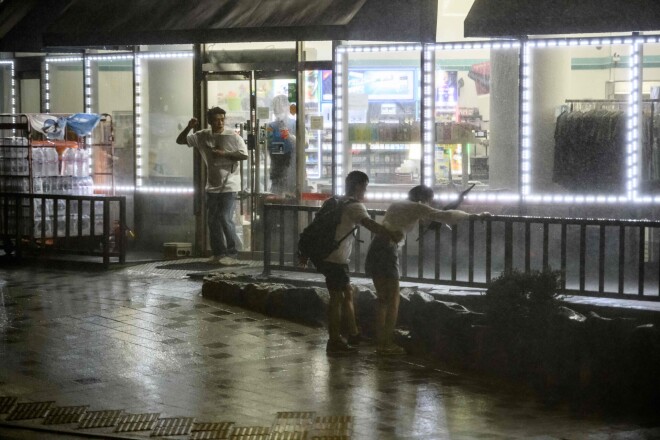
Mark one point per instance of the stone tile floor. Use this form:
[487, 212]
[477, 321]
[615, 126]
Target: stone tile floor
[143, 340]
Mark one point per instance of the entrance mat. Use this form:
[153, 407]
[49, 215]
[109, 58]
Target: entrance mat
[198, 266]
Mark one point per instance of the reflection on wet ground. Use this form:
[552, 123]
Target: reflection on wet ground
[143, 340]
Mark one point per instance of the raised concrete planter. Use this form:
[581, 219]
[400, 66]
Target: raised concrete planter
[568, 355]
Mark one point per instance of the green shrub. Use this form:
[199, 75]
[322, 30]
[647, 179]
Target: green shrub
[515, 297]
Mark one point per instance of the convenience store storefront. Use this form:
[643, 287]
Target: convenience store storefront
[448, 115]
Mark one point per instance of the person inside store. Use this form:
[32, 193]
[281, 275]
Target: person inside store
[335, 266]
[222, 151]
[382, 262]
[281, 141]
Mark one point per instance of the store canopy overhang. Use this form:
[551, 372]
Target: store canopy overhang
[57, 24]
[517, 18]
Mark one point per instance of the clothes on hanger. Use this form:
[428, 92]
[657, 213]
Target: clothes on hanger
[590, 150]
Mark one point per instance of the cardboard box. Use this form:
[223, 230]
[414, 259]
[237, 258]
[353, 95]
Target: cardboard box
[174, 251]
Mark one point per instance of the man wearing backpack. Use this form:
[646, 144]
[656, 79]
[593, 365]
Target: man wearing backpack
[335, 266]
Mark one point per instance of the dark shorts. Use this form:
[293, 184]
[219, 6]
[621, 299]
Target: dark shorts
[382, 258]
[336, 275]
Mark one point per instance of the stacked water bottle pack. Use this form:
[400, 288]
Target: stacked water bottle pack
[50, 175]
[14, 166]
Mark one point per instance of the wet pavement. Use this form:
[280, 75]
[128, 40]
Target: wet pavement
[142, 340]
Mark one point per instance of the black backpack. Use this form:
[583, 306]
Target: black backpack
[317, 240]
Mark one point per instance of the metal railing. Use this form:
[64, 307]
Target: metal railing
[45, 224]
[595, 257]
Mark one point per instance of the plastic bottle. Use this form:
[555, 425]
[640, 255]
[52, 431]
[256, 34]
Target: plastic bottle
[69, 162]
[13, 168]
[77, 186]
[37, 161]
[37, 185]
[48, 155]
[89, 185]
[81, 162]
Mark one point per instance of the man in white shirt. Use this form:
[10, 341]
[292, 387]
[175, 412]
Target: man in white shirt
[335, 265]
[222, 151]
[382, 262]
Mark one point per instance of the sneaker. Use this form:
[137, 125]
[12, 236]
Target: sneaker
[228, 261]
[213, 260]
[339, 347]
[390, 350]
[355, 339]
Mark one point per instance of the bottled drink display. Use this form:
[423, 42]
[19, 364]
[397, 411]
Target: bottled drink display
[41, 170]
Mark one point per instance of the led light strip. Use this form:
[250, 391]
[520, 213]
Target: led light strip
[138, 122]
[634, 142]
[166, 189]
[139, 176]
[429, 111]
[525, 126]
[339, 117]
[13, 84]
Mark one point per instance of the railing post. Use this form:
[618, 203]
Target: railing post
[489, 249]
[19, 224]
[281, 235]
[601, 259]
[508, 245]
[121, 240]
[471, 250]
[420, 256]
[563, 257]
[528, 246]
[583, 255]
[267, 238]
[454, 253]
[105, 240]
[622, 258]
[546, 235]
[642, 246]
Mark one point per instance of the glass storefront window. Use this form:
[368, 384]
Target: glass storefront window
[111, 84]
[380, 119]
[475, 123]
[165, 109]
[318, 129]
[65, 86]
[650, 120]
[578, 113]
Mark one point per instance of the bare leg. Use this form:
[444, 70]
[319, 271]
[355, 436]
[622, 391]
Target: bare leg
[348, 311]
[334, 315]
[387, 290]
[392, 311]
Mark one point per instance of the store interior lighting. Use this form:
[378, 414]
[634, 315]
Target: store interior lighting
[632, 135]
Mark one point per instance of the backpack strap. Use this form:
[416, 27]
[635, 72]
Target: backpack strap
[342, 204]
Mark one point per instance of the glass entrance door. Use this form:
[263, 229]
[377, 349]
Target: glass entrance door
[258, 107]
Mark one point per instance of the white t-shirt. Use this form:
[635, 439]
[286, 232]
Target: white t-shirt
[223, 175]
[351, 216]
[403, 215]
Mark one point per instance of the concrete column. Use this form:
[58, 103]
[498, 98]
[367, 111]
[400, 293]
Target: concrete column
[503, 128]
[550, 89]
